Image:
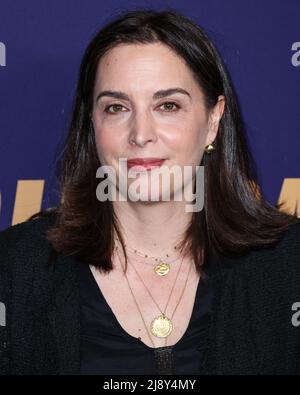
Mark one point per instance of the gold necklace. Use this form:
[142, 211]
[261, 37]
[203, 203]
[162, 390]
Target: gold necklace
[161, 326]
[162, 267]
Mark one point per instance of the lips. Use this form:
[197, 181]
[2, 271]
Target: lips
[144, 163]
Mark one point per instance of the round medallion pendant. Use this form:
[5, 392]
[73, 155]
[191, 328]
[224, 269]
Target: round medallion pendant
[161, 326]
[162, 268]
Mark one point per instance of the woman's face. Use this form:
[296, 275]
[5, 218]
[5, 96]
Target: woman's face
[134, 120]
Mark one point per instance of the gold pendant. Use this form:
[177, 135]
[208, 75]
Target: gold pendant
[161, 326]
[162, 268]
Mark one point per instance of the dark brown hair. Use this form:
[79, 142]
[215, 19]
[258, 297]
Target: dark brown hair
[234, 219]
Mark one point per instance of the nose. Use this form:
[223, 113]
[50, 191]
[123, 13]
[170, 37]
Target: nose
[142, 129]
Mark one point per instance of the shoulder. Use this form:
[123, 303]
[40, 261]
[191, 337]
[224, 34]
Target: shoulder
[22, 232]
[274, 269]
[286, 251]
[26, 239]
[279, 263]
[291, 237]
[24, 259]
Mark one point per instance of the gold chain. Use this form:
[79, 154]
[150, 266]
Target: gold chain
[148, 255]
[170, 292]
[142, 254]
[154, 300]
[157, 259]
[162, 268]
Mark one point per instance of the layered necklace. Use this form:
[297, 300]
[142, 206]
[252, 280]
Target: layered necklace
[161, 326]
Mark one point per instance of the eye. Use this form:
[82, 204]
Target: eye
[170, 106]
[115, 106]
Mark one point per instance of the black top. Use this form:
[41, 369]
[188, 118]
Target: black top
[106, 348]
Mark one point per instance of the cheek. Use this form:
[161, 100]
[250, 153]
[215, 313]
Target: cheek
[107, 144]
[190, 143]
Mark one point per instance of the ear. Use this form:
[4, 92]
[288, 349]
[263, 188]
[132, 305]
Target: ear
[214, 119]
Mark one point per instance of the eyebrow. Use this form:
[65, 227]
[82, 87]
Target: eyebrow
[157, 95]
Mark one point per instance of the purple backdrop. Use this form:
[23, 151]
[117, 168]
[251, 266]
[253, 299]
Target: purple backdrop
[40, 51]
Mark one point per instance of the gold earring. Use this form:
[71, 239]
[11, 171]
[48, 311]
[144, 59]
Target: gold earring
[209, 148]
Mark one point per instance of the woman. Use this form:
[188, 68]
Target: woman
[133, 286]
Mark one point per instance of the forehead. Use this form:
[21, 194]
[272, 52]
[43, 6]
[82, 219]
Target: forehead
[143, 66]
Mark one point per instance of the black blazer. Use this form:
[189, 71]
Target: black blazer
[254, 329]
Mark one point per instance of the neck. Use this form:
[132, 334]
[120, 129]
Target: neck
[152, 228]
